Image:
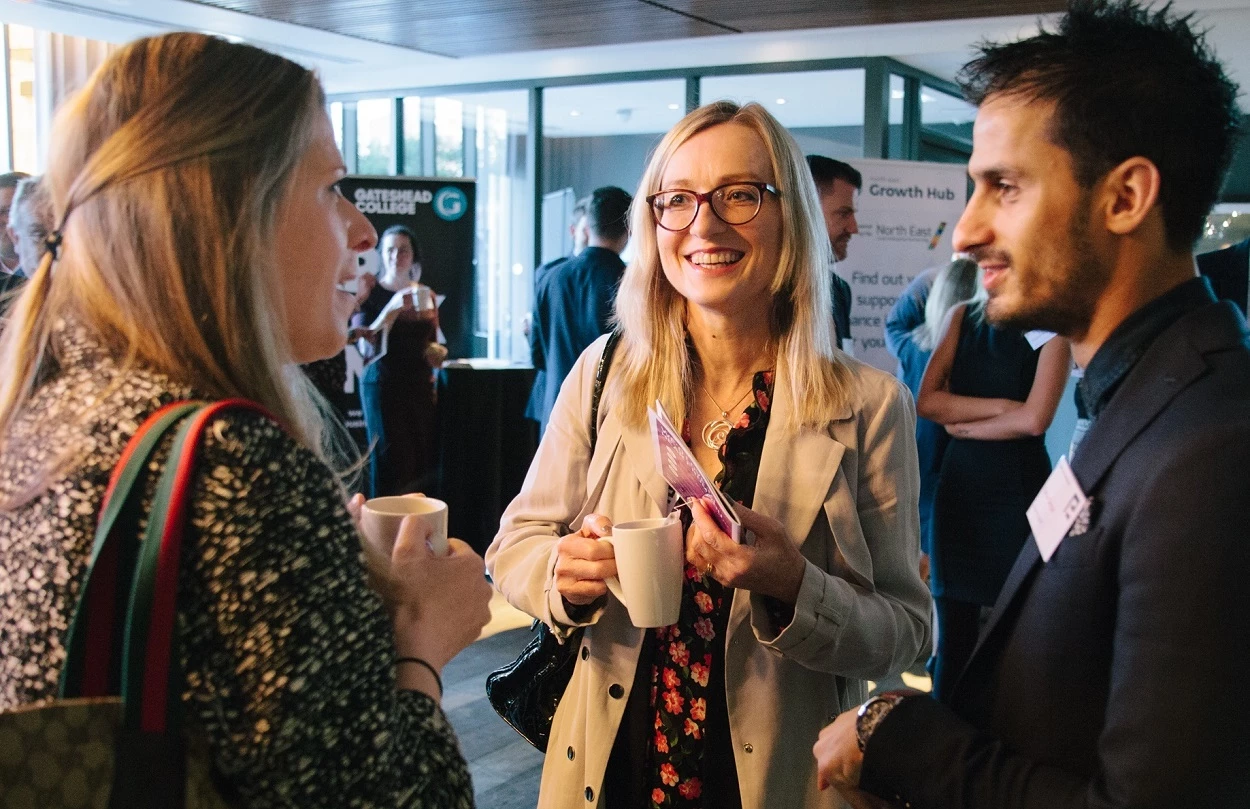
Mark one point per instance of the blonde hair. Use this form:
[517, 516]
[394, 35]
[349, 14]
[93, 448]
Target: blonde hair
[166, 173]
[654, 360]
[956, 283]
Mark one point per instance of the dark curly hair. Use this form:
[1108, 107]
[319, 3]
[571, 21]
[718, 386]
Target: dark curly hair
[1126, 81]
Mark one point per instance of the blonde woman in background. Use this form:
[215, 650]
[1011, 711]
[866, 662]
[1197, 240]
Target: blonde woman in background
[995, 395]
[911, 332]
[204, 249]
[725, 320]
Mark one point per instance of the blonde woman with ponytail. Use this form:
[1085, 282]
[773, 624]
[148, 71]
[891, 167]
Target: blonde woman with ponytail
[200, 253]
[724, 319]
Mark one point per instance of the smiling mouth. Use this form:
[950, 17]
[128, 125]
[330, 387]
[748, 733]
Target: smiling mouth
[343, 287]
[715, 258]
[990, 276]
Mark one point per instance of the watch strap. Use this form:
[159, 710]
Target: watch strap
[872, 713]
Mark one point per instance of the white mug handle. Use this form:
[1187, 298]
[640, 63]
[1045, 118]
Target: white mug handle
[613, 583]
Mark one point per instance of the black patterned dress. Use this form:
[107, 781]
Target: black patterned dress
[288, 654]
[674, 748]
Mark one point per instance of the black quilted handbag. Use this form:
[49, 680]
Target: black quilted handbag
[526, 692]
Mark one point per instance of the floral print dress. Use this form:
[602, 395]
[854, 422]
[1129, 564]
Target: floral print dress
[690, 756]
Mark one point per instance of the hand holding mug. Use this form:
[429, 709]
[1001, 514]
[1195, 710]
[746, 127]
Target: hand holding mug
[583, 562]
[439, 603]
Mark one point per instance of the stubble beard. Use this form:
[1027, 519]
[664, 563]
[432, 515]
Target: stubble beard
[1063, 300]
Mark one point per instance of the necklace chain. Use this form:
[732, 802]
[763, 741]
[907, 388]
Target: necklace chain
[725, 411]
[717, 430]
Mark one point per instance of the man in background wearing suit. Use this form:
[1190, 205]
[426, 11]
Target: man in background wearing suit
[838, 183]
[1110, 672]
[11, 275]
[1228, 270]
[535, 409]
[574, 301]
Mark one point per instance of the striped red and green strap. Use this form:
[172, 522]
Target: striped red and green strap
[150, 684]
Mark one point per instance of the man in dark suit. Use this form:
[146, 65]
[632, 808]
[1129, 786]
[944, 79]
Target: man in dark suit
[574, 302]
[535, 407]
[1228, 270]
[838, 183]
[1110, 670]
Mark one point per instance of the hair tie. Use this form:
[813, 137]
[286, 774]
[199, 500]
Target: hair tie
[53, 243]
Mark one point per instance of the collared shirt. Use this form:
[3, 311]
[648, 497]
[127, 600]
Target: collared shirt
[1131, 339]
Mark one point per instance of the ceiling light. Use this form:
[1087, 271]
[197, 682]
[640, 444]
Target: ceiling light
[574, 113]
[925, 98]
[781, 101]
[674, 106]
[896, 94]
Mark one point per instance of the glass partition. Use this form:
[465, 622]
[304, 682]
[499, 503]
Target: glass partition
[449, 123]
[335, 109]
[483, 135]
[414, 161]
[898, 92]
[601, 134]
[945, 126]
[22, 98]
[823, 109]
[375, 136]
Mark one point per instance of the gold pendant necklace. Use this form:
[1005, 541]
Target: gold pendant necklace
[717, 430]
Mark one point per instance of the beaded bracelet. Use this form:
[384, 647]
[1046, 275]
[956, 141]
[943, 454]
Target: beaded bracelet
[420, 662]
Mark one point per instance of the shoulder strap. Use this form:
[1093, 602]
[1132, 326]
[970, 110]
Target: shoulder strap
[146, 608]
[151, 679]
[601, 377]
[94, 628]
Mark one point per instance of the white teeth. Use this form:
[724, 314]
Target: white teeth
[348, 286]
[723, 257]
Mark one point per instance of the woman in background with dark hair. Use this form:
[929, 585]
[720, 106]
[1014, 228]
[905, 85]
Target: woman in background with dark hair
[397, 391]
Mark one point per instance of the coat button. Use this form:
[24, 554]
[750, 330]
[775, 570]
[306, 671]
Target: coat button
[616, 691]
[590, 794]
[572, 755]
[747, 748]
[585, 652]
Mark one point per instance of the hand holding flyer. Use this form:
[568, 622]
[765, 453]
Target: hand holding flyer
[679, 468]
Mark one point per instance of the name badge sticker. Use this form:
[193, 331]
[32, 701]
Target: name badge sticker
[1056, 508]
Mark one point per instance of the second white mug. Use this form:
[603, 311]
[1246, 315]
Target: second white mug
[380, 519]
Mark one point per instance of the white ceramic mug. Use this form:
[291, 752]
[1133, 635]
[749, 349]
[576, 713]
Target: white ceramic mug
[649, 562]
[381, 517]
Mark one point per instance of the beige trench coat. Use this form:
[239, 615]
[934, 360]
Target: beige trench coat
[847, 494]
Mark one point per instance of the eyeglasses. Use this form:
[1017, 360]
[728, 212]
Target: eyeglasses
[733, 204]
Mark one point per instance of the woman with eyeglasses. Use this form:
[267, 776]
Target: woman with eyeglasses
[724, 319]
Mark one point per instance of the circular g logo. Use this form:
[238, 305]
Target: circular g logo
[450, 203]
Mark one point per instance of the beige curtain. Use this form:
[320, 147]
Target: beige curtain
[62, 65]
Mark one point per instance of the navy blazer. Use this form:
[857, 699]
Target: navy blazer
[1228, 270]
[1111, 676]
[572, 309]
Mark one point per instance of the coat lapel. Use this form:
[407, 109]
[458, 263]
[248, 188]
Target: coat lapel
[640, 450]
[797, 469]
[1172, 363]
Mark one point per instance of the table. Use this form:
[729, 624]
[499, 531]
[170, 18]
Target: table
[485, 445]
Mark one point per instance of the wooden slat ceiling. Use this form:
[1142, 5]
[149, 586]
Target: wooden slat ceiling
[462, 28]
